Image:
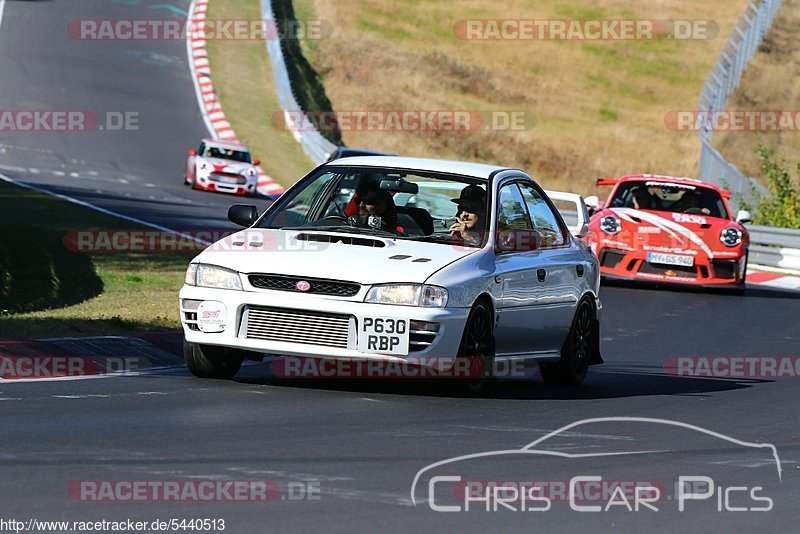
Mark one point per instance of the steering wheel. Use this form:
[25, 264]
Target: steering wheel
[337, 218]
[695, 211]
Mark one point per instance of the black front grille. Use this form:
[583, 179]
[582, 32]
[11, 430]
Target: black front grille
[317, 286]
[725, 268]
[226, 178]
[611, 259]
[671, 270]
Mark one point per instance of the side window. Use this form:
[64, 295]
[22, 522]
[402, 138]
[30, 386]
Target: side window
[200, 151]
[545, 222]
[511, 214]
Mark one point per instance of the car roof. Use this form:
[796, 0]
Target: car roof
[475, 170]
[221, 143]
[668, 179]
[344, 152]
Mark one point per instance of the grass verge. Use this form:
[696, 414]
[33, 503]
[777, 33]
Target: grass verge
[767, 84]
[599, 106]
[243, 78]
[47, 290]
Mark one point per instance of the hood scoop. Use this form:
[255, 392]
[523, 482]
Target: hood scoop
[342, 239]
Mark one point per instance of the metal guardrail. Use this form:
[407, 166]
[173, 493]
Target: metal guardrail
[775, 247]
[314, 145]
[722, 81]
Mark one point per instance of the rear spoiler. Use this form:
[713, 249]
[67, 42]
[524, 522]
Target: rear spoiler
[602, 182]
[579, 217]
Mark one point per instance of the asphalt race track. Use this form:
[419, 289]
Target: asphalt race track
[356, 446]
[135, 172]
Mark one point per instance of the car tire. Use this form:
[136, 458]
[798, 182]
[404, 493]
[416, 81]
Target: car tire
[476, 352]
[210, 361]
[577, 350]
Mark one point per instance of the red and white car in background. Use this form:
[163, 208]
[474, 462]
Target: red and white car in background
[223, 166]
[669, 230]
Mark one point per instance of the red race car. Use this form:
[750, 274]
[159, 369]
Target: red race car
[669, 230]
[223, 166]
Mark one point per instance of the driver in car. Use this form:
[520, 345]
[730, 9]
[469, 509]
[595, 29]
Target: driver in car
[471, 214]
[373, 207]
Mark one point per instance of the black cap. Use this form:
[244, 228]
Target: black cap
[472, 197]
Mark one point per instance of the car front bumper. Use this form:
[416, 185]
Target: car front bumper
[248, 188]
[310, 333]
[617, 263]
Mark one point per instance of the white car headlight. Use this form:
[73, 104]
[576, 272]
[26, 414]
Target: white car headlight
[191, 275]
[217, 277]
[408, 295]
[203, 168]
[251, 172]
[610, 225]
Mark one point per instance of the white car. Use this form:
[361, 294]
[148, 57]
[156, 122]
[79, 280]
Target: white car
[222, 166]
[361, 259]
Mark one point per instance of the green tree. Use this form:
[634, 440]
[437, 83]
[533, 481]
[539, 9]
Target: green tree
[781, 207]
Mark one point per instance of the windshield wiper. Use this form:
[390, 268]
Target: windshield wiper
[444, 238]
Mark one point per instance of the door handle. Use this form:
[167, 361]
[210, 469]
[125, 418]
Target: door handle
[541, 274]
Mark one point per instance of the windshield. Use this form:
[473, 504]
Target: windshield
[226, 153]
[392, 203]
[677, 198]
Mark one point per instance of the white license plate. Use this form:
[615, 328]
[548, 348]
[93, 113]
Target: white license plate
[670, 259]
[383, 335]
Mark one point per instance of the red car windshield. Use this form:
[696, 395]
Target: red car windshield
[677, 198]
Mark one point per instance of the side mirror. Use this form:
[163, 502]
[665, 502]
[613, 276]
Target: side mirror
[583, 231]
[256, 161]
[592, 204]
[193, 152]
[744, 217]
[243, 214]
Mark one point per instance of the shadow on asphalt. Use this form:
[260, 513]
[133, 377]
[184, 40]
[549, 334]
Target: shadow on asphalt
[751, 291]
[610, 383]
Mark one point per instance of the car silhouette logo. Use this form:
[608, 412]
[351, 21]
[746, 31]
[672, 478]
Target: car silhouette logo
[302, 285]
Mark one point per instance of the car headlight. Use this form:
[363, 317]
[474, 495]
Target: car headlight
[251, 172]
[203, 168]
[610, 225]
[191, 275]
[408, 295]
[217, 277]
[731, 236]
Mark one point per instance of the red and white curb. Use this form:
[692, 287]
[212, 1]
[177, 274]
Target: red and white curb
[773, 279]
[209, 103]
